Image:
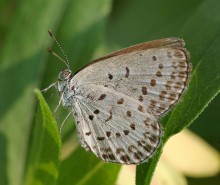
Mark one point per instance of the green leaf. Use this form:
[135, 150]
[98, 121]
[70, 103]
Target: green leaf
[83, 168]
[44, 156]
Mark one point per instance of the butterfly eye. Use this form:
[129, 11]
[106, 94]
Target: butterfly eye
[64, 75]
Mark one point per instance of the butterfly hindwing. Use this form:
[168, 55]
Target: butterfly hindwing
[117, 128]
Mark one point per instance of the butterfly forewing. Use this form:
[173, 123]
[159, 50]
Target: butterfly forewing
[155, 76]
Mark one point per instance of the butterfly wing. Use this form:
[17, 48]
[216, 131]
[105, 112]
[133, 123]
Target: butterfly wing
[119, 97]
[155, 73]
[116, 127]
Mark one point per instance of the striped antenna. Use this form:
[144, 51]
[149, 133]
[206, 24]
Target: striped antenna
[66, 62]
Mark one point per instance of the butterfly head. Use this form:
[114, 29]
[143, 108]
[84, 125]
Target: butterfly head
[65, 75]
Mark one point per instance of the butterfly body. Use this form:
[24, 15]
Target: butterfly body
[117, 100]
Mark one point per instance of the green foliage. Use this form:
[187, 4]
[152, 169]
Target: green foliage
[91, 171]
[29, 140]
[44, 157]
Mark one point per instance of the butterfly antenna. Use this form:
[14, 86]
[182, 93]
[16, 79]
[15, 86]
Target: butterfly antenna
[66, 62]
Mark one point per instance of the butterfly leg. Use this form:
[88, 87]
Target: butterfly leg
[64, 121]
[51, 85]
[61, 97]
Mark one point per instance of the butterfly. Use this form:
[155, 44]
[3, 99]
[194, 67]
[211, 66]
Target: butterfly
[117, 100]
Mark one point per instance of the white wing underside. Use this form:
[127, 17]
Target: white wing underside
[119, 99]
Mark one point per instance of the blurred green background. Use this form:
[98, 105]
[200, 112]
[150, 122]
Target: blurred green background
[87, 30]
